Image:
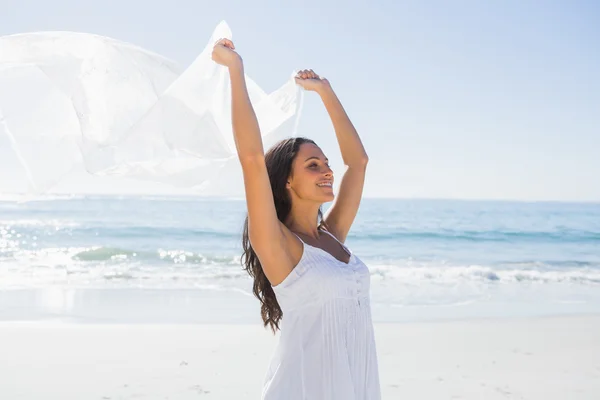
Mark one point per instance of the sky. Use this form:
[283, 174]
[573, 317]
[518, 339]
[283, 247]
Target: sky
[460, 100]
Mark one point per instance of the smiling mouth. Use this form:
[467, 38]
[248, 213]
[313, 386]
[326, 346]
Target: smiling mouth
[325, 184]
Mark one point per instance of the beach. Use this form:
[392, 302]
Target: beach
[512, 358]
[145, 298]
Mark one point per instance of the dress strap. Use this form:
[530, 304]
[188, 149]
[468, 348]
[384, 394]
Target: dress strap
[298, 236]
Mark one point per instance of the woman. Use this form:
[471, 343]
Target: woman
[304, 276]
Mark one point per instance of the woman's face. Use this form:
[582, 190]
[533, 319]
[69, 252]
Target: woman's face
[311, 177]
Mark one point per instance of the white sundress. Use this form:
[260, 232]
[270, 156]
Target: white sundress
[326, 348]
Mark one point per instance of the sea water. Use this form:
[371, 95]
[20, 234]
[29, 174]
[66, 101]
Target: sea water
[161, 258]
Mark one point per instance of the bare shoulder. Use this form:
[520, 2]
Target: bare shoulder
[282, 257]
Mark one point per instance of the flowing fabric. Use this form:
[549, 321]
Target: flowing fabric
[70, 99]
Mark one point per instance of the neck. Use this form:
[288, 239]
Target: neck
[303, 218]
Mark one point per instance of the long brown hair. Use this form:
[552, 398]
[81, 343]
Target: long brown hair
[279, 161]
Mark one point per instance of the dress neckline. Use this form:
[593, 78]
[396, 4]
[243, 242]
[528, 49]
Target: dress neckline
[305, 248]
[350, 252]
[331, 255]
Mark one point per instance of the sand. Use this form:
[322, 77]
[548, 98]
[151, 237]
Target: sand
[529, 358]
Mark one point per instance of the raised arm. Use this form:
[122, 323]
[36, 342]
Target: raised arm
[341, 214]
[265, 230]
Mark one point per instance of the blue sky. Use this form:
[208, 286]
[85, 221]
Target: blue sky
[461, 99]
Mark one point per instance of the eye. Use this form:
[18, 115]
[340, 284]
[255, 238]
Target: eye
[312, 165]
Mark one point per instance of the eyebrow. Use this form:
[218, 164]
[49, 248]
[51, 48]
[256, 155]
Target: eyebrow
[317, 158]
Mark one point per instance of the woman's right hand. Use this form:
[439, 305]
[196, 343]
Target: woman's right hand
[224, 53]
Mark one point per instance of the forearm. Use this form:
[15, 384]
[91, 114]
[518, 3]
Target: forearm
[246, 131]
[351, 147]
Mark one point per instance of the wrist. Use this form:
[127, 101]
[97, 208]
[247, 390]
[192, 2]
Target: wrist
[325, 90]
[236, 65]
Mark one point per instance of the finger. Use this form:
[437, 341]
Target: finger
[314, 75]
[228, 43]
[300, 82]
[225, 42]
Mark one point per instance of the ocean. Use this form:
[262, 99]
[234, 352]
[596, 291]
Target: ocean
[161, 258]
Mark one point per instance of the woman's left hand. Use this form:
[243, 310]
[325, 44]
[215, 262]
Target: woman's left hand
[309, 80]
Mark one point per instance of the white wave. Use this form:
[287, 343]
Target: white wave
[484, 274]
[56, 223]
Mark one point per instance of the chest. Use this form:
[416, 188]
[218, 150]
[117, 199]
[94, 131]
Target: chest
[329, 278]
